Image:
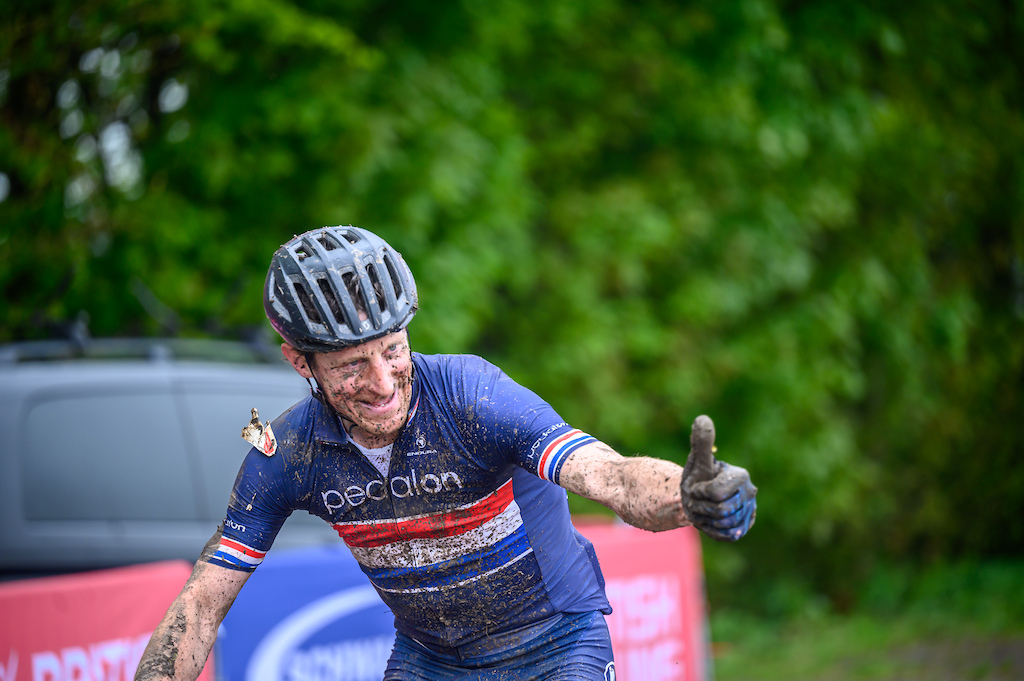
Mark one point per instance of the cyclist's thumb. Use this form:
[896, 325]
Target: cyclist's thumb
[702, 444]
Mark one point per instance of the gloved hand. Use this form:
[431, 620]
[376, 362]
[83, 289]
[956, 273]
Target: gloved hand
[719, 499]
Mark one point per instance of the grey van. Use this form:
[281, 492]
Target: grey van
[116, 452]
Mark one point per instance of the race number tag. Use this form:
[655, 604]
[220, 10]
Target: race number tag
[260, 435]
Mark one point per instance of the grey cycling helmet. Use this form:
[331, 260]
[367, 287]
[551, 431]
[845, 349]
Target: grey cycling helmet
[335, 287]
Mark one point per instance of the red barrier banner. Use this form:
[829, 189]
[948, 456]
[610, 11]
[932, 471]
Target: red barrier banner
[94, 626]
[655, 582]
[85, 627]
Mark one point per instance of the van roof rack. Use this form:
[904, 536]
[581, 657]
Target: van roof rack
[152, 349]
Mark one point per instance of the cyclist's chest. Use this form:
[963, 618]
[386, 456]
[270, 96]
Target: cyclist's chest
[432, 470]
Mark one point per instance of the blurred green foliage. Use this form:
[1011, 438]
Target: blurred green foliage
[803, 219]
[955, 621]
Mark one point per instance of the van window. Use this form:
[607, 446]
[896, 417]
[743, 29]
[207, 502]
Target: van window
[217, 415]
[106, 457]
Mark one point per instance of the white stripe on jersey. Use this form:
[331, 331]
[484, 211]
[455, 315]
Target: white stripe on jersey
[423, 552]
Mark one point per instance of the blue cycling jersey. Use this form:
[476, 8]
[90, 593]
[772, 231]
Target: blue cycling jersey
[468, 535]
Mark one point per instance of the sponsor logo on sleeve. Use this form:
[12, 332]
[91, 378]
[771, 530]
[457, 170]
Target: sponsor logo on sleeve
[534, 454]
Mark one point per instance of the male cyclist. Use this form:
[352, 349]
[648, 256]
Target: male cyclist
[444, 477]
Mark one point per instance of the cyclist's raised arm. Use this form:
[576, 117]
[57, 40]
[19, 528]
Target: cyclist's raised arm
[716, 497]
[183, 639]
[641, 490]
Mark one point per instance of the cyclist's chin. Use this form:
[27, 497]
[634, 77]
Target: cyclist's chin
[379, 423]
[389, 425]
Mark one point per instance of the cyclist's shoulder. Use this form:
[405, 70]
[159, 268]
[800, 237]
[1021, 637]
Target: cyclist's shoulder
[302, 430]
[298, 418]
[453, 365]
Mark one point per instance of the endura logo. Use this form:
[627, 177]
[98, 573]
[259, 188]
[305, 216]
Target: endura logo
[400, 486]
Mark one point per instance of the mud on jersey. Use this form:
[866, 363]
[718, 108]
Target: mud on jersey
[468, 534]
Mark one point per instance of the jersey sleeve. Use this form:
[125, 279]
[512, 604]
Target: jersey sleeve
[517, 422]
[258, 507]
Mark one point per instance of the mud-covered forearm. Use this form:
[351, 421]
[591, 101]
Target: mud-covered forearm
[175, 651]
[643, 491]
[650, 496]
[182, 641]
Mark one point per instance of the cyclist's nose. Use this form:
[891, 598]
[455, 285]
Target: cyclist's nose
[379, 378]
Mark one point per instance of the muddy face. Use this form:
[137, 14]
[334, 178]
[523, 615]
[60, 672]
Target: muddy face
[370, 385]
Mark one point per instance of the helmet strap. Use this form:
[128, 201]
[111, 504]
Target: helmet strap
[315, 391]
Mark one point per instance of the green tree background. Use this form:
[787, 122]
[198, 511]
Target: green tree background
[803, 219]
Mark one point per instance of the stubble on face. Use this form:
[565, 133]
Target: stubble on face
[370, 386]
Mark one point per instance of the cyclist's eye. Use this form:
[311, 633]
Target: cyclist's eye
[348, 367]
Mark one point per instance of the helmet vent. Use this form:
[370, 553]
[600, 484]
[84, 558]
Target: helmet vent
[328, 242]
[354, 292]
[378, 289]
[396, 281]
[350, 236]
[301, 253]
[307, 303]
[332, 301]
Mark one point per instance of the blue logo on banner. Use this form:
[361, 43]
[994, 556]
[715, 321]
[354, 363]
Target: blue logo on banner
[306, 615]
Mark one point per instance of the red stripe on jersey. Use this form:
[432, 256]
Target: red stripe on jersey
[434, 526]
[241, 548]
[549, 449]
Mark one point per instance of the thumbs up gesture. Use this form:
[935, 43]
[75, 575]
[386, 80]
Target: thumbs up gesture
[719, 499]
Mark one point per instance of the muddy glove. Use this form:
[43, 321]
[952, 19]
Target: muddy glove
[718, 498]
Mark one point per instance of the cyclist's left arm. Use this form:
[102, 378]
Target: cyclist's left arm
[643, 491]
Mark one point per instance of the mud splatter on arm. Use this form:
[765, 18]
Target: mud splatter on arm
[643, 491]
[182, 641]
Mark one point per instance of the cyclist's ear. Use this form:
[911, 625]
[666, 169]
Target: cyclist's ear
[298, 360]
